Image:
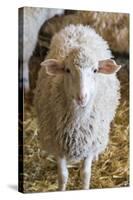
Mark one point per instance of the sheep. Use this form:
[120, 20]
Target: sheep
[75, 99]
[30, 20]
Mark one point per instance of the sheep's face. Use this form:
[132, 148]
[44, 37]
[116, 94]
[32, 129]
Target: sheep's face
[80, 84]
[80, 78]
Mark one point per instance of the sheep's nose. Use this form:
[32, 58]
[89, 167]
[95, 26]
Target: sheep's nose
[81, 98]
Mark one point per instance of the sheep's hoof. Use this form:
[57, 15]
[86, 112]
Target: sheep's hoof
[86, 187]
[62, 187]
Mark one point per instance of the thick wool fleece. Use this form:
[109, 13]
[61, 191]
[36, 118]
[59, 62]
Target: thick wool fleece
[63, 128]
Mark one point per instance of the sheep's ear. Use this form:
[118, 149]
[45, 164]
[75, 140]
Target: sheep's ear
[53, 66]
[108, 66]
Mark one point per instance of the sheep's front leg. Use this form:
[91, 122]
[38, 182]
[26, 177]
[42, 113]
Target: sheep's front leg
[86, 172]
[62, 173]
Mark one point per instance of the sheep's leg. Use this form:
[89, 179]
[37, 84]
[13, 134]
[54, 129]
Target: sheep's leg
[86, 172]
[62, 173]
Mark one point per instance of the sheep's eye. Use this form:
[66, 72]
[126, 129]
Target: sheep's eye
[67, 70]
[95, 70]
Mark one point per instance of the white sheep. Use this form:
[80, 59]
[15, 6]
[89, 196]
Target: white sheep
[76, 98]
[31, 21]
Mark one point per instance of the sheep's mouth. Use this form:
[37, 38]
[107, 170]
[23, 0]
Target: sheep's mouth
[81, 104]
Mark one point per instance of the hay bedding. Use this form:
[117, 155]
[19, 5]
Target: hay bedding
[111, 169]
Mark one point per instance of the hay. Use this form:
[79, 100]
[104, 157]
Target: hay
[111, 169]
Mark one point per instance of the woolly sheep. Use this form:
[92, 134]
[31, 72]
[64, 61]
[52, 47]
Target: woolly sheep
[76, 98]
[31, 22]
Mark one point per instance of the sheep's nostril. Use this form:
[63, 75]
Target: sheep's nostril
[81, 98]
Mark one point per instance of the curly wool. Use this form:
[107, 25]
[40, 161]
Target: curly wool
[77, 36]
[64, 129]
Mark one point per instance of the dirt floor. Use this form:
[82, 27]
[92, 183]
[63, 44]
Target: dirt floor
[111, 169]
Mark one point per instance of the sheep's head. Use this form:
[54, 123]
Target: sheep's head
[80, 73]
